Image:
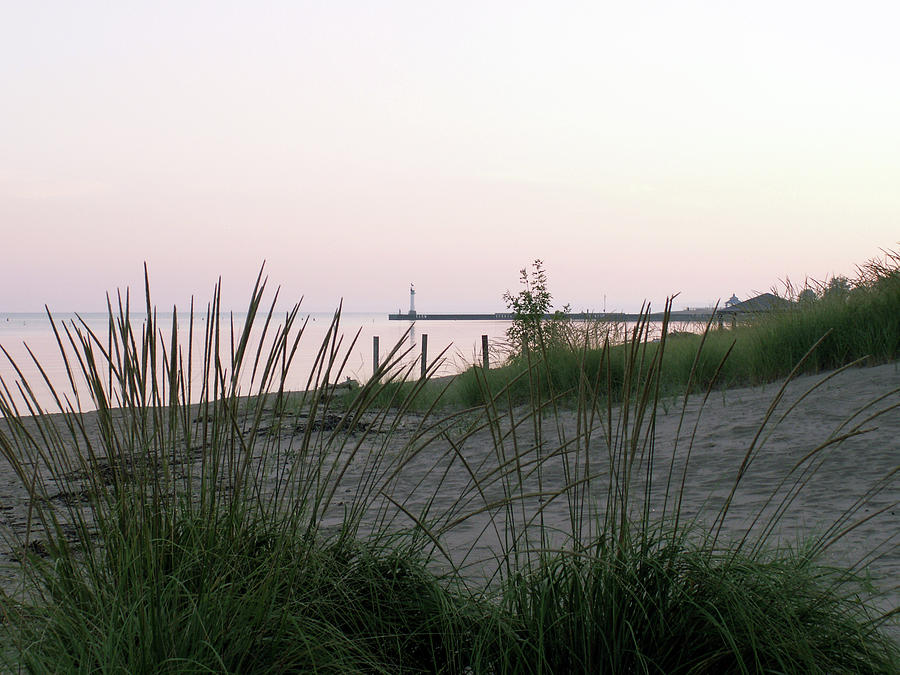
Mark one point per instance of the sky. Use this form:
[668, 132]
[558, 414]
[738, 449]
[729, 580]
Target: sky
[640, 149]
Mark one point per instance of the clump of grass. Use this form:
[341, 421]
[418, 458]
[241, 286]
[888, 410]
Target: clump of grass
[255, 600]
[207, 530]
[214, 535]
[666, 608]
[622, 590]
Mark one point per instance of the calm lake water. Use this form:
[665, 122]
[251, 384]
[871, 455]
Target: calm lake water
[460, 339]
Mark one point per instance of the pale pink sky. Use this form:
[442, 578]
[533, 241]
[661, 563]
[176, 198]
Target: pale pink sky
[640, 149]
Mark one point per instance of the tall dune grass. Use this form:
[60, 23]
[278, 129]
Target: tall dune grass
[860, 323]
[266, 531]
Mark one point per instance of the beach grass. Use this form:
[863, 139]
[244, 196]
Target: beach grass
[856, 322]
[212, 522]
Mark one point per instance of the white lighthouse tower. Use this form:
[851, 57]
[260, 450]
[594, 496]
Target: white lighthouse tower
[412, 301]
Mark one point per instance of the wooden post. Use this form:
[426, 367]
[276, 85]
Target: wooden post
[485, 359]
[374, 355]
[424, 354]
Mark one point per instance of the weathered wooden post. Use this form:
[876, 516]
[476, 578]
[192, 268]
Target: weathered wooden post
[485, 359]
[374, 355]
[424, 354]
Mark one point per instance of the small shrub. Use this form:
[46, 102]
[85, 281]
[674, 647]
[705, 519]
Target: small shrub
[531, 330]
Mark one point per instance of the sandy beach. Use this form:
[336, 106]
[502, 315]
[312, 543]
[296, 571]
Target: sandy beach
[863, 403]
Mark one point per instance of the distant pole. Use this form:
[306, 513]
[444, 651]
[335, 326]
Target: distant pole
[424, 354]
[486, 360]
[374, 355]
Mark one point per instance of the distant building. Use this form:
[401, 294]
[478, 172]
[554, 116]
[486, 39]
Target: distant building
[761, 303]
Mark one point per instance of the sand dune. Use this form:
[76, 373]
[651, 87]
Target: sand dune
[861, 403]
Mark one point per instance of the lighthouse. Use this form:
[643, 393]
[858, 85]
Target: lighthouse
[412, 301]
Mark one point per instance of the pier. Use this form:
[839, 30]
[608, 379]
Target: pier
[734, 308]
[684, 315]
